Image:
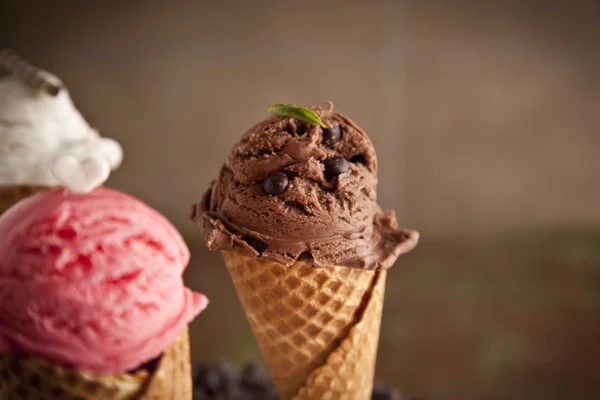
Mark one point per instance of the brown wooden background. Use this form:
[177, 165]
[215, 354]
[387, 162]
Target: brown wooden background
[486, 120]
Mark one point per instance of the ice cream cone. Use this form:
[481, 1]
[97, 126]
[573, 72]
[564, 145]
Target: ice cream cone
[30, 378]
[172, 379]
[11, 194]
[317, 328]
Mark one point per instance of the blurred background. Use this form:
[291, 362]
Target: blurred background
[486, 118]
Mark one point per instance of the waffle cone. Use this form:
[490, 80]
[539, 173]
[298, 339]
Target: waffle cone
[317, 328]
[30, 378]
[9, 195]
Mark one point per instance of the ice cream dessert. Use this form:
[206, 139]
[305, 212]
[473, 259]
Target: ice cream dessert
[294, 211]
[38, 124]
[92, 300]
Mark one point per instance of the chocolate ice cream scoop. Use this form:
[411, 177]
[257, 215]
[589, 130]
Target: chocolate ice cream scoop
[291, 189]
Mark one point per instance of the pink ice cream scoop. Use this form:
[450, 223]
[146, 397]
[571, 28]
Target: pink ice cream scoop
[92, 281]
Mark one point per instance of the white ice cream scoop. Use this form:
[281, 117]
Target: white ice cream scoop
[38, 126]
[80, 176]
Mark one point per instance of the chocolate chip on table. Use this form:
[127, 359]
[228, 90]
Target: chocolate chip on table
[332, 135]
[199, 372]
[227, 371]
[336, 165]
[252, 377]
[253, 383]
[232, 391]
[212, 381]
[276, 183]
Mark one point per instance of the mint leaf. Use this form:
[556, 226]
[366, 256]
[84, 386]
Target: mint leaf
[298, 112]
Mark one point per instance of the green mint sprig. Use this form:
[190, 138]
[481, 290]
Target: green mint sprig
[298, 112]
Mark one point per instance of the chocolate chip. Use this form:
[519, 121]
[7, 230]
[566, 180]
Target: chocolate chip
[253, 383]
[251, 373]
[332, 135]
[212, 381]
[227, 371]
[276, 183]
[336, 165]
[234, 392]
[198, 372]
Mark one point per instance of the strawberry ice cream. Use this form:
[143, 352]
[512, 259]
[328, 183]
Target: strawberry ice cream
[92, 281]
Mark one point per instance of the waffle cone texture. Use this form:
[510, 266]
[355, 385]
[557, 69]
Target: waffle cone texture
[317, 328]
[9, 195]
[31, 378]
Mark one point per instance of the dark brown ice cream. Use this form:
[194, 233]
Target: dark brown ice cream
[291, 189]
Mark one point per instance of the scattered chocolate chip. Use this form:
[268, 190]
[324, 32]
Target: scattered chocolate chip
[227, 371]
[336, 165]
[332, 135]
[212, 381]
[252, 383]
[255, 243]
[198, 372]
[276, 183]
[252, 377]
[234, 392]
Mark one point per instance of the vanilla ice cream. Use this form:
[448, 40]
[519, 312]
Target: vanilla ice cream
[36, 128]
